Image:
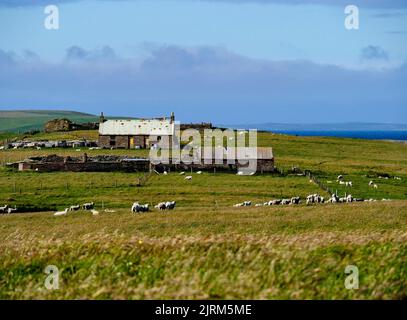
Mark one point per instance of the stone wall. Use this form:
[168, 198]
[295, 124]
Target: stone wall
[118, 142]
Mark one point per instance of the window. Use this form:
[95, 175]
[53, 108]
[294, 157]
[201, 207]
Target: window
[112, 141]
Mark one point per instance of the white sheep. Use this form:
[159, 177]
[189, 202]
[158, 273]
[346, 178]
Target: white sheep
[88, 206]
[188, 178]
[285, 202]
[295, 200]
[137, 207]
[243, 204]
[4, 209]
[61, 213]
[170, 205]
[161, 206]
[11, 210]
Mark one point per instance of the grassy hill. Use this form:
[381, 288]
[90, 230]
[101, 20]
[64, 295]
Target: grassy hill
[25, 120]
[206, 248]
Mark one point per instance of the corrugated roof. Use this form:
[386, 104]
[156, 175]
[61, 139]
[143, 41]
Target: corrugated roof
[137, 127]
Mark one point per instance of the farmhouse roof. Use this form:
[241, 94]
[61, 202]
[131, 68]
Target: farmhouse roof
[157, 127]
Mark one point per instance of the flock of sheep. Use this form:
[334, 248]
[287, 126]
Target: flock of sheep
[162, 206]
[311, 199]
[136, 208]
[170, 205]
[87, 207]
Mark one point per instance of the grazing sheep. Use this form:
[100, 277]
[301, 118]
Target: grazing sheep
[285, 202]
[182, 173]
[188, 178]
[259, 205]
[342, 200]
[334, 198]
[109, 211]
[165, 173]
[61, 213]
[243, 204]
[375, 186]
[371, 183]
[3, 209]
[137, 207]
[161, 206]
[11, 210]
[88, 206]
[314, 198]
[75, 208]
[199, 172]
[94, 212]
[295, 200]
[170, 205]
[340, 177]
[397, 178]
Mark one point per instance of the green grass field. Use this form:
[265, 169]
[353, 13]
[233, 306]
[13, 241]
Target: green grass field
[206, 248]
[25, 120]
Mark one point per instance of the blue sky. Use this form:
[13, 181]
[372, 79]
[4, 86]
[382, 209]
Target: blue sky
[222, 61]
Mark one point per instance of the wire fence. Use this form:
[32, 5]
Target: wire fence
[315, 179]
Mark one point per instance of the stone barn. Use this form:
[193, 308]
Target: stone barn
[135, 133]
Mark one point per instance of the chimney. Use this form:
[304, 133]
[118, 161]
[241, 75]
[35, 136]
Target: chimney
[172, 117]
[102, 118]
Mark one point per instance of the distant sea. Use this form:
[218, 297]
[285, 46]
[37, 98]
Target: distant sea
[371, 135]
